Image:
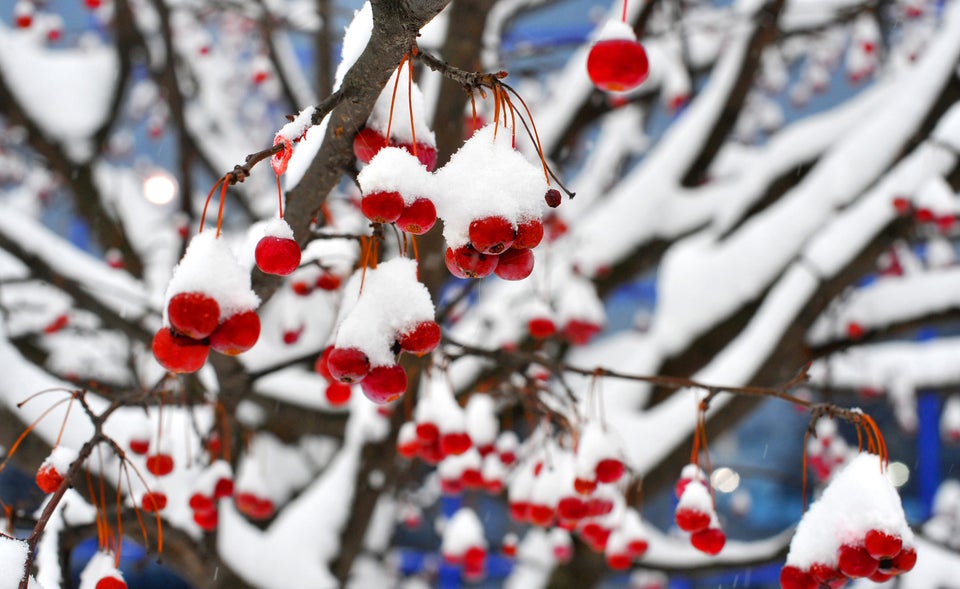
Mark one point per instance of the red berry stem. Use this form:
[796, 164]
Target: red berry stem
[413, 129]
[623, 18]
[393, 102]
[279, 198]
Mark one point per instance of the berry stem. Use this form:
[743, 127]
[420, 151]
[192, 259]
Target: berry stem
[413, 129]
[66, 417]
[223, 198]
[543, 160]
[393, 101]
[116, 560]
[279, 198]
[206, 203]
[623, 17]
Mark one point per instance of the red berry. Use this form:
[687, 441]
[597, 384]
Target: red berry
[709, 541]
[466, 262]
[825, 574]
[619, 561]
[279, 256]
[384, 384]
[792, 577]
[110, 583]
[519, 510]
[427, 432]
[48, 479]
[609, 470]
[139, 446]
[427, 154]
[492, 235]
[179, 353]
[367, 143]
[902, 205]
[471, 477]
[418, 217]
[160, 464]
[347, 365]
[905, 561]
[382, 207]
[24, 21]
[541, 327]
[57, 324]
[337, 393]
[529, 234]
[597, 506]
[855, 562]
[455, 443]
[595, 535]
[637, 548]
[690, 519]
[880, 577]
[301, 288]
[583, 486]
[291, 336]
[92, 4]
[260, 76]
[540, 514]
[193, 314]
[237, 334]
[153, 501]
[206, 520]
[515, 264]
[882, 545]
[201, 502]
[320, 366]
[578, 332]
[617, 65]
[408, 449]
[572, 508]
[855, 331]
[924, 215]
[328, 281]
[422, 339]
[553, 198]
[223, 488]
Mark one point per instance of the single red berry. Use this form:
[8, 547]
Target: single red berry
[584, 486]
[541, 327]
[111, 583]
[882, 545]
[509, 547]
[427, 154]
[924, 215]
[160, 464]
[320, 366]
[709, 541]
[347, 365]
[609, 470]
[515, 264]
[529, 234]
[384, 384]
[578, 332]
[48, 479]
[337, 393]
[260, 76]
[367, 143]
[572, 508]
[902, 205]
[382, 207]
[597, 506]
[825, 574]
[328, 281]
[792, 577]
[690, 519]
[427, 433]
[617, 65]
[422, 339]
[637, 548]
[201, 502]
[880, 577]
[905, 561]
[855, 561]
[540, 514]
[193, 314]
[466, 262]
[455, 443]
[206, 520]
[57, 324]
[553, 198]
[595, 535]
[223, 488]
[153, 501]
[237, 334]
[855, 330]
[492, 235]
[519, 510]
[301, 288]
[408, 448]
[92, 4]
[418, 217]
[139, 446]
[291, 336]
[471, 478]
[178, 353]
[279, 256]
[24, 21]
[619, 561]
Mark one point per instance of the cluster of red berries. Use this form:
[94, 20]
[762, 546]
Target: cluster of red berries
[878, 556]
[392, 314]
[617, 62]
[943, 222]
[627, 543]
[305, 282]
[397, 189]
[497, 246]
[336, 392]
[53, 469]
[368, 142]
[209, 305]
[695, 512]
[575, 331]
[214, 483]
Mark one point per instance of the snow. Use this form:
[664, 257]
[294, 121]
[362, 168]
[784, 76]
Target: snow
[60, 459]
[71, 100]
[394, 169]
[277, 227]
[462, 532]
[392, 301]
[13, 561]
[481, 420]
[487, 177]
[860, 498]
[210, 267]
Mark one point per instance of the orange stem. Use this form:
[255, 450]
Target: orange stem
[27, 431]
[536, 135]
[206, 203]
[623, 18]
[413, 129]
[393, 100]
[279, 198]
[223, 199]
